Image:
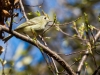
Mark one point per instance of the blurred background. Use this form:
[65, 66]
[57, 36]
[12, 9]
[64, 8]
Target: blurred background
[25, 59]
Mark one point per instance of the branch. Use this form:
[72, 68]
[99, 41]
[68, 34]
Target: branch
[21, 5]
[48, 51]
[86, 54]
[79, 38]
[82, 62]
[97, 36]
[96, 71]
[11, 23]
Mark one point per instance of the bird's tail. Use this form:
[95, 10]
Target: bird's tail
[7, 38]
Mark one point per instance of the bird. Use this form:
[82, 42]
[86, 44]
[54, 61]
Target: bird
[32, 27]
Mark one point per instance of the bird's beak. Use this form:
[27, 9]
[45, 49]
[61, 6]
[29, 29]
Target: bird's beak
[50, 23]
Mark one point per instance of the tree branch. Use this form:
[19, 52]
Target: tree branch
[82, 62]
[48, 51]
[11, 23]
[86, 54]
[21, 5]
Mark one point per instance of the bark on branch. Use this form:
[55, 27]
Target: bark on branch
[48, 51]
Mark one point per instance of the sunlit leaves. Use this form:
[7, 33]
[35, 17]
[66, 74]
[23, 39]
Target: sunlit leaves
[3, 62]
[86, 64]
[89, 47]
[91, 27]
[81, 29]
[30, 13]
[8, 23]
[38, 13]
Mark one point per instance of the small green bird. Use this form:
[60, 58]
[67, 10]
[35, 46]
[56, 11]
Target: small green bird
[32, 27]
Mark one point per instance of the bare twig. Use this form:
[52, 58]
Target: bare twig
[49, 58]
[11, 23]
[82, 62]
[55, 66]
[79, 38]
[3, 73]
[77, 52]
[19, 20]
[85, 71]
[43, 40]
[96, 71]
[23, 10]
[74, 63]
[49, 66]
[47, 61]
[97, 36]
[67, 23]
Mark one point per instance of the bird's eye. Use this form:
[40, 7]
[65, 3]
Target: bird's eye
[44, 17]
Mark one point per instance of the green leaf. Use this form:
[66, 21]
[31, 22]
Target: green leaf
[57, 28]
[81, 29]
[86, 64]
[8, 23]
[91, 27]
[38, 13]
[30, 13]
[55, 18]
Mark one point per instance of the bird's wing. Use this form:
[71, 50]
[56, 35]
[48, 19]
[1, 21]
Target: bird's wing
[28, 23]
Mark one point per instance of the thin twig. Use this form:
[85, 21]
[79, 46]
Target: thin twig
[74, 63]
[82, 62]
[85, 71]
[93, 44]
[93, 58]
[23, 10]
[50, 67]
[96, 71]
[43, 40]
[56, 69]
[3, 73]
[19, 20]
[72, 36]
[67, 23]
[97, 36]
[77, 52]
[11, 23]
[49, 58]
